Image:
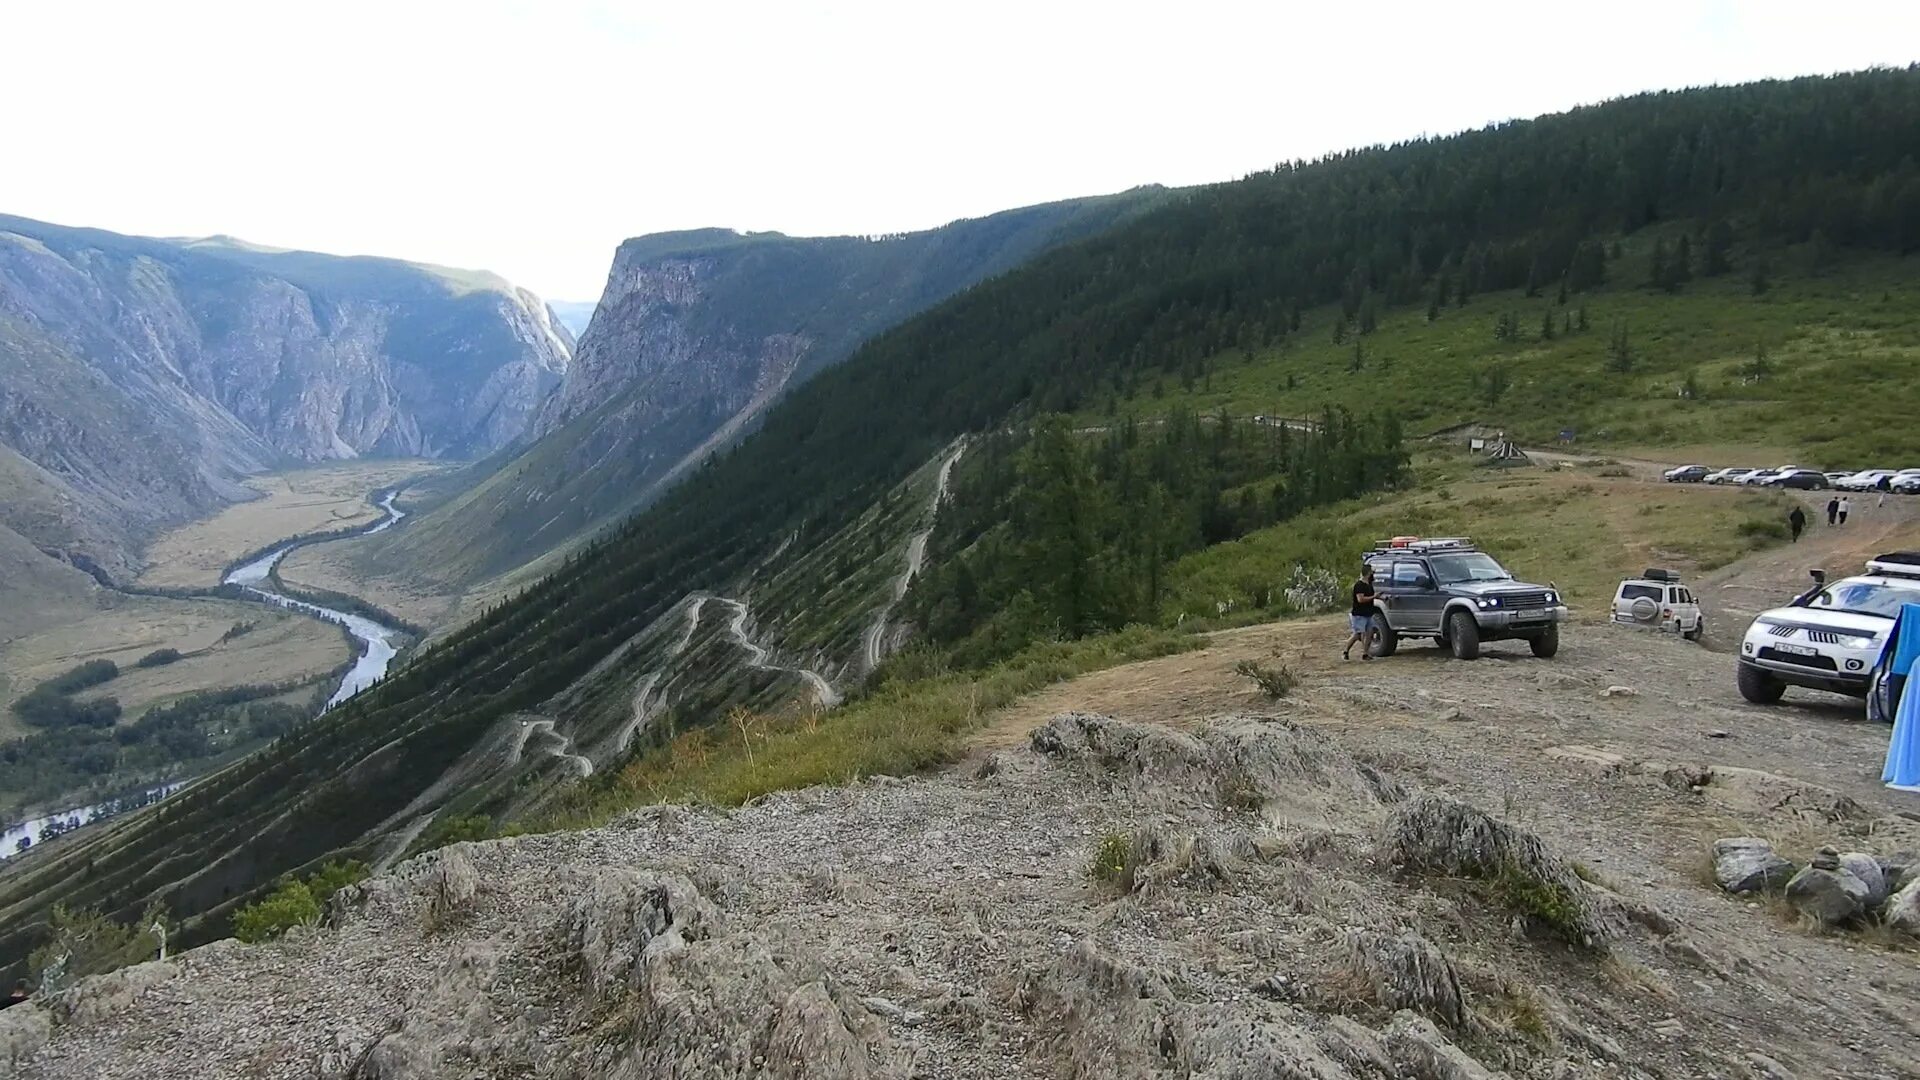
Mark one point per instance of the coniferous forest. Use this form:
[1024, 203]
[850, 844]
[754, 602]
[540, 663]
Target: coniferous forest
[1528, 204]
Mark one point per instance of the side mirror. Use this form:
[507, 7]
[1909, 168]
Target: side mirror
[1819, 576]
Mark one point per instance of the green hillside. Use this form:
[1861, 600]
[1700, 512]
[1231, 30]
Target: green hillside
[1758, 171]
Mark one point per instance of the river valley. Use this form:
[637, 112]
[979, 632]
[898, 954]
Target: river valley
[374, 643]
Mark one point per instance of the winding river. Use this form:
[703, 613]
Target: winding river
[376, 655]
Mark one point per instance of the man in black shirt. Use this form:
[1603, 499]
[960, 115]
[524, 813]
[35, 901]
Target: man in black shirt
[18, 997]
[1360, 620]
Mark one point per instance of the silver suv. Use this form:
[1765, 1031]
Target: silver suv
[1449, 590]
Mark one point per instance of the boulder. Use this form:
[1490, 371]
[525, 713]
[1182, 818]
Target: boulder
[24, 1029]
[1420, 1050]
[1902, 911]
[1743, 864]
[1406, 971]
[1829, 896]
[1867, 869]
[451, 886]
[622, 916]
[1898, 868]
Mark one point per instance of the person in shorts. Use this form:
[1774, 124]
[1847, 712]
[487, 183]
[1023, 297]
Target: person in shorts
[1360, 619]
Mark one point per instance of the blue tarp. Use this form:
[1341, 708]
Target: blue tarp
[1903, 752]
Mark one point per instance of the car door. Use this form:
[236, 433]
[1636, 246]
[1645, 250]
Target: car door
[1416, 602]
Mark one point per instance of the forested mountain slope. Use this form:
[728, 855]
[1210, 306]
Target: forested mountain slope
[696, 335]
[1214, 272]
[142, 377]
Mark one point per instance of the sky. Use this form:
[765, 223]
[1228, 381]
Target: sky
[531, 138]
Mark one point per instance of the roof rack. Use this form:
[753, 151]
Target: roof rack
[1416, 543]
[1654, 573]
[1902, 564]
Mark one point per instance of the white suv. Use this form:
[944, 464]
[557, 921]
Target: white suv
[1831, 635]
[1657, 601]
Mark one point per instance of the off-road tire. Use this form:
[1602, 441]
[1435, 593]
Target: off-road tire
[1699, 631]
[1545, 645]
[1385, 641]
[1757, 686]
[1463, 634]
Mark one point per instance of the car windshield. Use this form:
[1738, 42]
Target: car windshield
[1452, 569]
[1866, 597]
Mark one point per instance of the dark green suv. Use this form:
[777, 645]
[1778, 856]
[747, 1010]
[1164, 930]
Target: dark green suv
[1449, 590]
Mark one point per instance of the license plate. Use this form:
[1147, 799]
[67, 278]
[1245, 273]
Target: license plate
[1797, 650]
[1532, 613]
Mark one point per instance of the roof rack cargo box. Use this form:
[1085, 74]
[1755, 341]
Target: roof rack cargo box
[1654, 573]
[1429, 543]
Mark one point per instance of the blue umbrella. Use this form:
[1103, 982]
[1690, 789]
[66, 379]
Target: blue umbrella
[1903, 752]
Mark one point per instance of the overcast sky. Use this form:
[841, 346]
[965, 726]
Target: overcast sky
[530, 138]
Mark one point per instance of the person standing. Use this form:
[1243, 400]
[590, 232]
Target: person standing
[1846, 504]
[1833, 510]
[1360, 619]
[1797, 521]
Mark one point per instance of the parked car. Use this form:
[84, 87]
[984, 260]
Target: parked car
[1834, 478]
[1805, 479]
[1905, 483]
[1829, 637]
[1657, 601]
[1864, 480]
[1686, 474]
[1761, 476]
[1727, 476]
[1452, 592]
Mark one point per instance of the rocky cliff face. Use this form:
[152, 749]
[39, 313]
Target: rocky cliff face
[146, 376]
[696, 333]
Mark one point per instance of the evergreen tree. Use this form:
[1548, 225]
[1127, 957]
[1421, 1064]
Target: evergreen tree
[1369, 315]
[1581, 325]
[1619, 352]
[1718, 245]
[1494, 384]
[1680, 270]
[1546, 325]
[1659, 271]
[1758, 281]
[1339, 331]
[1561, 299]
[1433, 310]
[1358, 359]
[1690, 386]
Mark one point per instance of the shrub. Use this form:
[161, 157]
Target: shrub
[1110, 857]
[84, 942]
[1276, 681]
[294, 902]
[158, 658]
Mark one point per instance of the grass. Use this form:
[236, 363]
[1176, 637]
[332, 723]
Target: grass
[291, 503]
[1843, 345]
[902, 727]
[1568, 527]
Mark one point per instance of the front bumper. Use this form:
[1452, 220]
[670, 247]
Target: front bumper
[1518, 623]
[1793, 673]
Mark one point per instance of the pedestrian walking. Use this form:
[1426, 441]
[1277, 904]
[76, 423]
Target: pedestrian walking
[1797, 521]
[1833, 510]
[1846, 504]
[1360, 620]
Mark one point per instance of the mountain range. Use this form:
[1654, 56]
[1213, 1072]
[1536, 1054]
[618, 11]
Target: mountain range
[756, 433]
[142, 379]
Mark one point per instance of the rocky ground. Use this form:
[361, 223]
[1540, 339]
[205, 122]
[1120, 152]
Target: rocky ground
[1413, 867]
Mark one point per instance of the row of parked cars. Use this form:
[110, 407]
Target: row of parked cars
[1904, 481]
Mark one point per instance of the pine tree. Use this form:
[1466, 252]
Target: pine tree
[1359, 359]
[1758, 280]
[1546, 325]
[1680, 270]
[1562, 298]
[1433, 310]
[1369, 315]
[1582, 324]
[1339, 331]
[1619, 352]
[1494, 384]
[1717, 244]
[1690, 386]
[1659, 276]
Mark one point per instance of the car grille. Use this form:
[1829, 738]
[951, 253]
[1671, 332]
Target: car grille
[1818, 636]
[1523, 599]
[1824, 663]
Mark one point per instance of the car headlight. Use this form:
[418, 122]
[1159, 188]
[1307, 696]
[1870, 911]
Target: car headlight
[1849, 641]
[1553, 597]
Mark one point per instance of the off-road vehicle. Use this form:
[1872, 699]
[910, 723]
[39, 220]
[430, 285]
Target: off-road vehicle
[1657, 601]
[1831, 636]
[1449, 590]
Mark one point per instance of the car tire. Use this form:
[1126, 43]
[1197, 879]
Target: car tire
[1385, 641]
[1699, 631]
[1463, 634]
[1545, 645]
[1757, 686]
